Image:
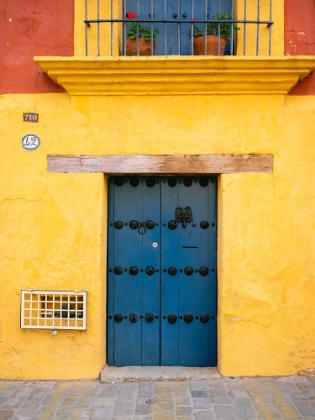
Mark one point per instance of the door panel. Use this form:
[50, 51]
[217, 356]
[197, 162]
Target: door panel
[151, 286]
[169, 280]
[162, 271]
[125, 289]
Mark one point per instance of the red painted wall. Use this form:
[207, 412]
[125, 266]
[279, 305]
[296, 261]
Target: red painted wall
[299, 37]
[29, 28]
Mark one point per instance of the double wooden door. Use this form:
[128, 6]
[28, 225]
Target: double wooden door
[162, 280]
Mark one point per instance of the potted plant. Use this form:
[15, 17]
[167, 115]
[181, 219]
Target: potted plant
[217, 35]
[139, 39]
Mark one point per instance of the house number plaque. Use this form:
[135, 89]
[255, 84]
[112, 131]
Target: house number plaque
[30, 117]
[30, 142]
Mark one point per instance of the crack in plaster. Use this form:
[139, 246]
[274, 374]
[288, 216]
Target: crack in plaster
[18, 198]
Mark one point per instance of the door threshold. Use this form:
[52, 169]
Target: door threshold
[110, 374]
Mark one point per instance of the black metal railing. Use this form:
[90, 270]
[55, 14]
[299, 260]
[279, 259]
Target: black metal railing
[172, 27]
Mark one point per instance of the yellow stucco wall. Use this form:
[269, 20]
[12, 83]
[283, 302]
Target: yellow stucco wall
[53, 226]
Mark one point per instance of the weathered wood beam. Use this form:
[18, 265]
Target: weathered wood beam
[162, 164]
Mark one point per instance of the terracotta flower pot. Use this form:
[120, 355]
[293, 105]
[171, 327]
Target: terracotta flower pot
[211, 45]
[144, 46]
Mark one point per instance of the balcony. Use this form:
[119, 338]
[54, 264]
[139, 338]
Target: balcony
[171, 27]
[253, 60]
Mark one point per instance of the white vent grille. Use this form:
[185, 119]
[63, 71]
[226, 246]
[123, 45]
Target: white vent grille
[53, 310]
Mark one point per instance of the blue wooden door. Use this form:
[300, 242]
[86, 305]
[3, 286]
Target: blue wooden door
[162, 271]
[172, 38]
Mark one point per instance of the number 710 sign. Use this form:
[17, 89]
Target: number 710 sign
[30, 142]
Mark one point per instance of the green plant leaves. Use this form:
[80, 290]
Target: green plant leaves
[136, 30]
[219, 28]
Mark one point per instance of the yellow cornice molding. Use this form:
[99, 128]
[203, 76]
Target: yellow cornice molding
[177, 75]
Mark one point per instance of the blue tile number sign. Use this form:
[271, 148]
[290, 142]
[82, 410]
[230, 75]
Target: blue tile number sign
[30, 142]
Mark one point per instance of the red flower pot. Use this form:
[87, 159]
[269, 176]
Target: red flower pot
[212, 47]
[143, 45]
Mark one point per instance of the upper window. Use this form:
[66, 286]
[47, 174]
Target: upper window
[178, 27]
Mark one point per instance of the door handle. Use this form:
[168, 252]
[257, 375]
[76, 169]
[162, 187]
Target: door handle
[183, 216]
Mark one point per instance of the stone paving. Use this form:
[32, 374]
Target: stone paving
[214, 399]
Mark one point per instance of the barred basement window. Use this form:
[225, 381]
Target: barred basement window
[169, 24]
[53, 310]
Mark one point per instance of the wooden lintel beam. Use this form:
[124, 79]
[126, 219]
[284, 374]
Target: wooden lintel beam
[162, 164]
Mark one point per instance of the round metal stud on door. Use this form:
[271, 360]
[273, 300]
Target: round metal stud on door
[134, 224]
[188, 271]
[118, 224]
[172, 182]
[118, 317]
[204, 224]
[204, 318]
[172, 225]
[203, 182]
[204, 271]
[149, 317]
[172, 271]
[188, 318]
[150, 224]
[134, 182]
[172, 318]
[133, 270]
[119, 181]
[133, 317]
[150, 270]
[118, 270]
[187, 182]
[150, 182]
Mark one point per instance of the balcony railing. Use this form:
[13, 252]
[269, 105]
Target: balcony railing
[171, 27]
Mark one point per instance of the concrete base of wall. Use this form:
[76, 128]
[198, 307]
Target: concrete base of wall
[111, 374]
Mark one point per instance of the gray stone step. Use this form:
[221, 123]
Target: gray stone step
[111, 374]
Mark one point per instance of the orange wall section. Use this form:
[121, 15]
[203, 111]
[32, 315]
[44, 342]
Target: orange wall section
[299, 37]
[29, 28]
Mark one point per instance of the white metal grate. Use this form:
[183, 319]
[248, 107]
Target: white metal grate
[54, 310]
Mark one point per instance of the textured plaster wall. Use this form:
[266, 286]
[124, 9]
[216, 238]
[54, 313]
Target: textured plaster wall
[52, 234]
[29, 28]
[54, 225]
[299, 37]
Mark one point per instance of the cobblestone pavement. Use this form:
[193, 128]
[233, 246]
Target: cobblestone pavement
[221, 399]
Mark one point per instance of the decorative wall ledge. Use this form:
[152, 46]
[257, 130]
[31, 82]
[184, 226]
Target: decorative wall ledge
[176, 75]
